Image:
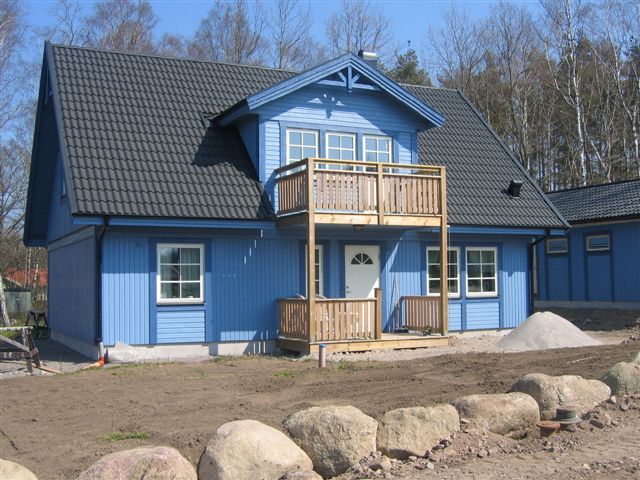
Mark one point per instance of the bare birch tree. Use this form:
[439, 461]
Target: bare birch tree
[231, 32]
[292, 46]
[358, 25]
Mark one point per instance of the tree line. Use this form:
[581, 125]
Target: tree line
[560, 82]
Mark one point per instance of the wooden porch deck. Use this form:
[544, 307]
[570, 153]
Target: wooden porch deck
[389, 341]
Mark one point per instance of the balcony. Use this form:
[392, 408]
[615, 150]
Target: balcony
[360, 193]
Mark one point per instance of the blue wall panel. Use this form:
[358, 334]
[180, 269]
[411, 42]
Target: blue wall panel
[455, 316]
[178, 326]
[72, 290]
[125, 289]
[59, 214]
[593, 276]
[248, 128]
[483, 314]
[515, 283]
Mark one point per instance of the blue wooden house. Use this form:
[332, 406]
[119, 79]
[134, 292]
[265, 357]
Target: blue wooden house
[190, 207]
[596, 264]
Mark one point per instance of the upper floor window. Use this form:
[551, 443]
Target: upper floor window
[598, 243]
[557, 245]
[301, 144]
[482, 267]
[377, 148]
[341, 146]
[433, 271]
[180, 273]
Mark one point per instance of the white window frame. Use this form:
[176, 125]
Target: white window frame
[340, 149]
[557, 252]
[495, 277]
[302, 131]
[172, 301]
[457, 278]
[598, 249]
[377, 151]
[319, 269]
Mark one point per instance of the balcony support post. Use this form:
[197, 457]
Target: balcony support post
[379, 193]
[444, 256]
[311, 250]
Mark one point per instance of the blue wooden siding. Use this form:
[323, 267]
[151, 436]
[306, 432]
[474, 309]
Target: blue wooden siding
[180, 325]
[245, 274]
[248, 128]
[328, 108]
[59, 223]
[593, 276]
[125, 289]
[72, 289]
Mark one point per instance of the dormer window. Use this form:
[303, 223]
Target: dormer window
[301, 144]
[341, 146]
[377, 148]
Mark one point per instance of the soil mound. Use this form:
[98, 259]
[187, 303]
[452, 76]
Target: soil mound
[544, 330]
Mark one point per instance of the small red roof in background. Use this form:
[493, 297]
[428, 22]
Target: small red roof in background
[17, 276]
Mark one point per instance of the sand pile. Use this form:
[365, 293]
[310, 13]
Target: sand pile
[544, 330]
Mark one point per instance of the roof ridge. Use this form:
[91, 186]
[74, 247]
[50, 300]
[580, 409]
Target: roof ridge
[171, 57]
[429, 87]
[595, 185]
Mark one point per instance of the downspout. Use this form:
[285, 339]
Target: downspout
[98, 292]
[532, 247]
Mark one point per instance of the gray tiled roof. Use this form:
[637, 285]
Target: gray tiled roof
[137, 145]
[599, 202]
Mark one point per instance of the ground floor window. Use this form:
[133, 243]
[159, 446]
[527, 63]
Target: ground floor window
[180, 273]
[598, 243]
[482, 268]
[433, 271]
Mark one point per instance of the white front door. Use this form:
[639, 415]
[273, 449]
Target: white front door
[361, 270]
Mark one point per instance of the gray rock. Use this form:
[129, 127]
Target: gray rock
[250, 450]
[334, 437]
[562, 391]
[14, 471]
[406, 432]
[301, 475]
[383, 463]
[500, 413]
[623, 378]
[148, 463]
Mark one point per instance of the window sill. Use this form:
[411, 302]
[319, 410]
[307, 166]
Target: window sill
[483, 296]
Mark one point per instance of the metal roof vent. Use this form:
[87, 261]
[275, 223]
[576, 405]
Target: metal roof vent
[514, 188]
[370, 57]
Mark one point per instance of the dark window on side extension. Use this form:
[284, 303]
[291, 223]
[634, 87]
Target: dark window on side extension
[557, 246]
[598, 243]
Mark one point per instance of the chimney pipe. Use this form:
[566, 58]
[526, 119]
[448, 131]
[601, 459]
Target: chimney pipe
[370, 57]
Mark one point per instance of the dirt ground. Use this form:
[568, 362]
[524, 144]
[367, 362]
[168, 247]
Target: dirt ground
[59, 425]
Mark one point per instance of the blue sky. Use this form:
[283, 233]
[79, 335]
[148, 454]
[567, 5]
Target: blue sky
[410, 19]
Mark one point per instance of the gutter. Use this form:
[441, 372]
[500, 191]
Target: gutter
[98, 291]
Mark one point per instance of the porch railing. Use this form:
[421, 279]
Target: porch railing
[352, 187]
[335, 319]
[421, 313]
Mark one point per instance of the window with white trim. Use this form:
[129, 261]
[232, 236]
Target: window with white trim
[598, 243]
[301, 144]
[180, 273]
[341, 146]
[557, 245]
[482, 271]
[377, 148]
[319, 280]
[453, 271]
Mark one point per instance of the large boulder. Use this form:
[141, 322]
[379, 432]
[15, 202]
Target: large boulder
[500, 413]
[413, 431]
[335, 438]
[563, 391]
[247, 449]
[148, 463]
[623, 378]
[14, 471]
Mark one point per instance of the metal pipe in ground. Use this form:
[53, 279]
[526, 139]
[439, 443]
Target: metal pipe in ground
[322, 355]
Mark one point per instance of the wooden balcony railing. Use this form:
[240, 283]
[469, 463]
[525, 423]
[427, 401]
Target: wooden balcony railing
[421, 313]
[334, 319]
[362, 192]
